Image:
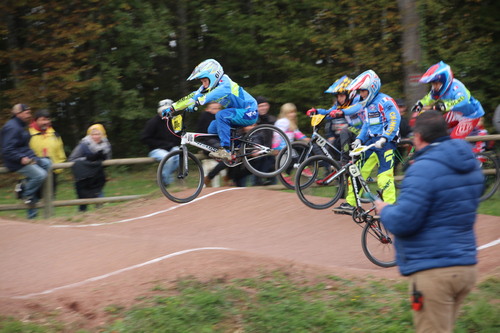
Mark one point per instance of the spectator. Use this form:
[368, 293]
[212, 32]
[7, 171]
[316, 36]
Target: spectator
[404, 125]
[46, 142]
[161, 141]
[18, 156]
[208, 116]
[404, 131]
[381, 128]
[433, 223]
[287, 122]
[238, 175]
[263, 108]
[496, 119]
[211, 167]
[88, 170]
[267, 162]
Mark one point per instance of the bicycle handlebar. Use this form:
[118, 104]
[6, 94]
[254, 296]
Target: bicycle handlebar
[361, 149]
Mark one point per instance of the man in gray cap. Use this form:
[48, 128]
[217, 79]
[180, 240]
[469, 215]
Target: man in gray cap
[18, 156]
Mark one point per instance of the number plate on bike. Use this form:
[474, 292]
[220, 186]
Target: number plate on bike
[316, 119]
[354, 170]
[177, 123]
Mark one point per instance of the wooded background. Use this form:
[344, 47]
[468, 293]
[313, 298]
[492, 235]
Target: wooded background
[111, 61]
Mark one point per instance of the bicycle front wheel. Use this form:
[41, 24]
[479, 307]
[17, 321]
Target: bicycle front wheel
[377, 243]
[257, 149]
[490, 168]
[299, 155]
[318, 183]
[180, 176]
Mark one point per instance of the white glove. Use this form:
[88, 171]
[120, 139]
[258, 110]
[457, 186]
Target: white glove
[356, 144]
[380, 143]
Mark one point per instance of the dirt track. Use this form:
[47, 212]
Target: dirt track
[112, 257]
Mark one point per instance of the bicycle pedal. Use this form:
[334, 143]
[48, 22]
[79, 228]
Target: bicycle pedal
[341, 211]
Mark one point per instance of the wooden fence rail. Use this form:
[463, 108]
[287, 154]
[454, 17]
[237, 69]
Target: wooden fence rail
[48, 203]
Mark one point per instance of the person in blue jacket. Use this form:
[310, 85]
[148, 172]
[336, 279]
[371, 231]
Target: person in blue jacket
[19, 157]
[239, 108]
[433, 223]
[380, 127]
[450, 96]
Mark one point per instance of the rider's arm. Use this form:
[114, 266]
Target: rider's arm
[219, 93]
[362, 136]
[427, 100]
[393, 119]
[185, 101]
[353, 109]
[458, 98]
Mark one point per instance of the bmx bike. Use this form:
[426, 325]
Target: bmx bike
[248, 148]
[302, 150]
[327, 185]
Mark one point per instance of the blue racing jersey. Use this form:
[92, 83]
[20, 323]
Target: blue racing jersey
[382, 119]
[457, 99]
[228, 93]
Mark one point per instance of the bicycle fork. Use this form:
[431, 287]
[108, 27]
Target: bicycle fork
[183, 169]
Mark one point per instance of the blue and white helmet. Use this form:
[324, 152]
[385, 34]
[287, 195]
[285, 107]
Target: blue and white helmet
[367, 80]
[209, 69]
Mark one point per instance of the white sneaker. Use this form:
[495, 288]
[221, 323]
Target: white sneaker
[221, 154]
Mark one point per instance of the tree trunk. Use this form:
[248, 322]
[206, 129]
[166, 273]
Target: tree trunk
[183, 45]
[412, 52]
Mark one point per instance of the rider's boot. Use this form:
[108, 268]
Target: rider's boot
[221, 153]
[344, 208]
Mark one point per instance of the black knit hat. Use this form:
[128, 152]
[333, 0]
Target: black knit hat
[41, 113]
[261, 99]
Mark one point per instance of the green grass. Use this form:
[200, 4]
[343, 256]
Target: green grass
[277, 302]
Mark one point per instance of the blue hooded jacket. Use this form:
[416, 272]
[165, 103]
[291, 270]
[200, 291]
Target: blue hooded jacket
[15, 141]
[434, 216]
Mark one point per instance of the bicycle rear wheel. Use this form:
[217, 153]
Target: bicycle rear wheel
[377, 244]
[318, 183]
[299, 154]
[185, 182]
[257, 147]
[490, 168]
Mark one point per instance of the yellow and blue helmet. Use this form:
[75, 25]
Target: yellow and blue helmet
[340, 87]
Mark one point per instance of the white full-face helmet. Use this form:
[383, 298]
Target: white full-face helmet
[209, 69]
[367, 80]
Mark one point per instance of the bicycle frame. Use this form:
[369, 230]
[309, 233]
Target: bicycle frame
[318, 140]
[354, 173]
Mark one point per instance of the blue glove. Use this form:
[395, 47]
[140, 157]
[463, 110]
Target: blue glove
[167, 113]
